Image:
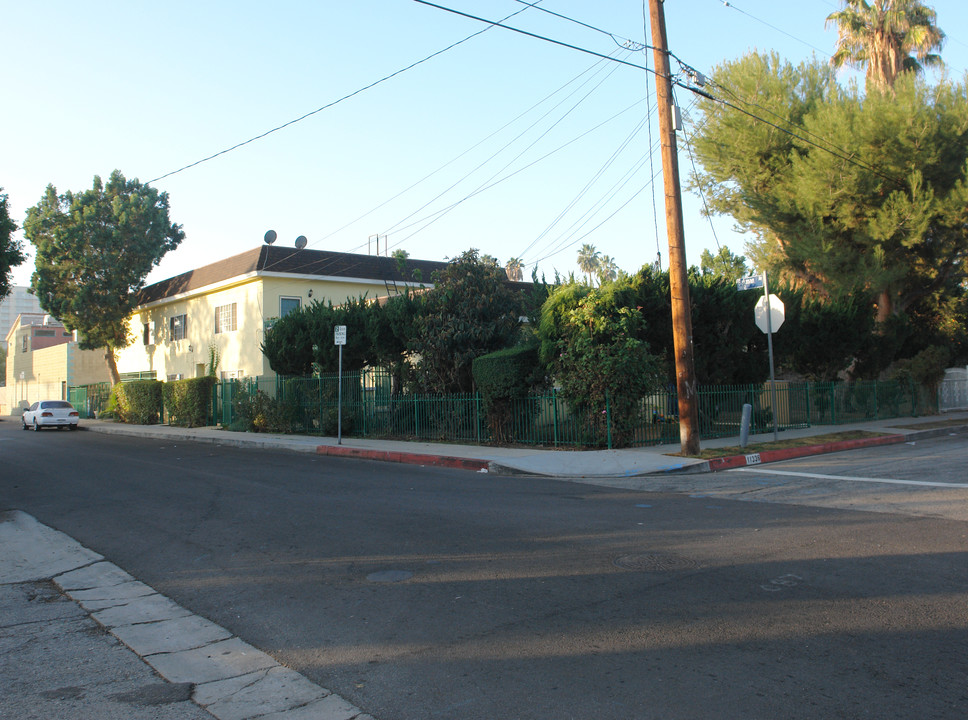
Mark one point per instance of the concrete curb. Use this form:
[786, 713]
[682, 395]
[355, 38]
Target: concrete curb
[770, 456]
[228, 678]
[408, 458]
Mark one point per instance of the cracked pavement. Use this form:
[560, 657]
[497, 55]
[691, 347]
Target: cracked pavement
[80, 637]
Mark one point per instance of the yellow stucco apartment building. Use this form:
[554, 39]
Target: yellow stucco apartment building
[229, 304]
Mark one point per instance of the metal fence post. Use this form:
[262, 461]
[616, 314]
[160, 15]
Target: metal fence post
[477, 415]
[608, 420]
[554, 403]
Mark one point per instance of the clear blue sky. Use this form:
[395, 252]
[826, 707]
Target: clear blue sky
[504, 143]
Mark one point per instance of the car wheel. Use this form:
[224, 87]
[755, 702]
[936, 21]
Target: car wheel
[36, 426]
[73, 427]
[23, 423]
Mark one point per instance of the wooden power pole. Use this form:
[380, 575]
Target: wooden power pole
[681, 318]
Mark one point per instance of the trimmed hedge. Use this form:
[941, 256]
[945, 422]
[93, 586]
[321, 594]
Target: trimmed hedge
[138, 402]
[189, 402]
[504, 377]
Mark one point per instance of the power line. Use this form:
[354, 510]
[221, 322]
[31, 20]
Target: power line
[655, 210]
[484, 188]
[835, 153]
[773, 27]
[328, 105]
[629, 44]
[533, 35]
[507, 145]
[456, 158]
[608, 163]
[702, 195]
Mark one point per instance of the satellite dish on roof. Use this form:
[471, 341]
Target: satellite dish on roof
[301, 242]
[270, 237]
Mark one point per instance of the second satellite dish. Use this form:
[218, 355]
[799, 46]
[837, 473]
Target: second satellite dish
[270, 237]
[301, 242]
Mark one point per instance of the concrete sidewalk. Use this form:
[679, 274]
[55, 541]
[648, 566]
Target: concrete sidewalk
[81, 638]
[565, 463]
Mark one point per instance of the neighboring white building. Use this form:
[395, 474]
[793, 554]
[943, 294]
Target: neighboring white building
[19, 302]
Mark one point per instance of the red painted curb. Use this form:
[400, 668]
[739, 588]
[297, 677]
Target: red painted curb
[408, 458]
[767, 456]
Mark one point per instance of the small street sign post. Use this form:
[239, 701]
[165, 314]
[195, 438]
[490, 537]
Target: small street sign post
[768, 315]
[339, 339]
[750, 282]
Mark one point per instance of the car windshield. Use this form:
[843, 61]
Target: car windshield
[55, 404]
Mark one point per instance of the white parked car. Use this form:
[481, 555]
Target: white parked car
[50, 413]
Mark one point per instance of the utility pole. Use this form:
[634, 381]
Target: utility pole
[681, 318]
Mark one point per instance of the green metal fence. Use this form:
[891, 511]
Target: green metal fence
[89, 400]
[371, 409]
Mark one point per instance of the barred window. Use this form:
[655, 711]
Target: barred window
[178, 327]
[225, 318]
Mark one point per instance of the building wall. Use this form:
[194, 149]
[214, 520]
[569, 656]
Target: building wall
[188, 357]
[18, 302]
[47, 373]
[257, 298]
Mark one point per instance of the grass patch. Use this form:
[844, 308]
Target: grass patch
[711, 453]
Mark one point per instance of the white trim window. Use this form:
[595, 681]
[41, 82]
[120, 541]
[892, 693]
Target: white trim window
[226, 318]
[178, 327]
[288, 304]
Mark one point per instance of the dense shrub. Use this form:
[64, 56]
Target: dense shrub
[256, 411]
[137, 402]
[504, 379]
[189, 402]
[603, 368]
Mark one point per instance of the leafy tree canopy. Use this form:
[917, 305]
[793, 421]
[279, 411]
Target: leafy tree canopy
[93, 251]
[11, 253]
[598, 356]
[470, 311]
[723, 264]
[864, 194]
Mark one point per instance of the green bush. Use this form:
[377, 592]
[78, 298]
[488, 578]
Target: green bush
[189, 402]
[255, 411]
[137, 402]
[505, 378]
[926, 368]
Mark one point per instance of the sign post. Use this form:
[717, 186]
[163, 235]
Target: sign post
[339, 338]
[769, 317]
[769, 306]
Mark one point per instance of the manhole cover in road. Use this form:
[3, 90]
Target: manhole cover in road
[655, 562]
[389, 576]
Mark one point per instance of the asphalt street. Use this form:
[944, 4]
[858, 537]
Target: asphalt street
[420, 592]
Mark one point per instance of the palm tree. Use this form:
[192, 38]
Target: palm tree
[607, 270]
[514, 269]
[888, 37]
[588, 259]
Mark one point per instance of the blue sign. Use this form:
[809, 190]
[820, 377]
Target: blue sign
[748, 283]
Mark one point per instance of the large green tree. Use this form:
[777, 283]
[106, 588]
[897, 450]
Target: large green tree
[11, 253]
[94, 250]
[591, 341]
[723, 264]
[861, 194]
[469, 312]
[887, 37]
